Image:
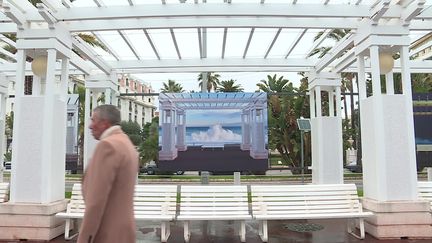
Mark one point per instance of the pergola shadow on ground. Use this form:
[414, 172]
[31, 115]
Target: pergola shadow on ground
[229, 159]
[327, 231]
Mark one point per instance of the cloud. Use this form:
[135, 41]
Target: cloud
[215, 134]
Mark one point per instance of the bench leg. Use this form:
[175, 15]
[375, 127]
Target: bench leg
[262, 231]
[351, 228]
[186, 231]
[242, 231]
[165, 231]
[69, 222]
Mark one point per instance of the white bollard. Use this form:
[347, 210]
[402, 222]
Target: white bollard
[429, 173]
[236, 178]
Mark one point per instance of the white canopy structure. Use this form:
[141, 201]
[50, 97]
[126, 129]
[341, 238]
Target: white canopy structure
[160, 36]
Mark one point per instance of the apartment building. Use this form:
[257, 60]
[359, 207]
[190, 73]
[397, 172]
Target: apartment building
[139, 108]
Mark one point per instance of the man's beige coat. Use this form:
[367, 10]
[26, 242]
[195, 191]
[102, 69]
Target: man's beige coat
[108, 188]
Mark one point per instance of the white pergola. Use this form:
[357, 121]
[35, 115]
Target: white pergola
[163, 36]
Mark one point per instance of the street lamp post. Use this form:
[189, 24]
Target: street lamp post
[304, 126]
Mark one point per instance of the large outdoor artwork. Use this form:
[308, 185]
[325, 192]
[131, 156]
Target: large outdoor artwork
[218, 132]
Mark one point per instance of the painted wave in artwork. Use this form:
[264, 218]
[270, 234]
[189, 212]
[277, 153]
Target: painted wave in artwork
[211, 134]
[214, 133]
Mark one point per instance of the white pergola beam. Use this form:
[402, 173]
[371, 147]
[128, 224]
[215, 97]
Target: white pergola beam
[220, 10]
[99, 3]
[248, 42]
[15, 15]
[129, 44]
[210, 100]
[210, 64]
[200, 42]
[272, 43]
[412, 11]
[23, 5]
[45, 13]
[294, 44]
[175, 43]
[90, 54]
[344, 44]
[80, 64]
[7, 53]
[379, 9]
[7, 40]
[67, 3]
[53, 4]
[151, 44]
[107, 45]
[224, 38]
[210, 22]
[318, 42]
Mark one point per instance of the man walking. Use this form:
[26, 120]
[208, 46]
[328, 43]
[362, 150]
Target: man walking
[109, 182]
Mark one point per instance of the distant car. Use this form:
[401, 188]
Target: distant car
[152, 169]
[353, 168]
[7, 165]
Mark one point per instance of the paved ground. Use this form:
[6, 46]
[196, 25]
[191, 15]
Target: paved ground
[334, 231]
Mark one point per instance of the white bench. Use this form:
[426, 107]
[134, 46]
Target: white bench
[425, 191]
[213, 146]
[4, 192]
[151, 203]
[285, 202]
[219, 202]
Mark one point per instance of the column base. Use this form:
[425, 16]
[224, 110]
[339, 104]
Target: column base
[245, 147]
[31, 221]
[181, 147]
[398, 219]
[170, 155]
[259, 154]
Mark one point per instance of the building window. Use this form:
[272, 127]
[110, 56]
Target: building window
[119, 104]
[127, 82]
[130, 116]
[136, 119]
[142, 121]
[130, 105]
[149, 100]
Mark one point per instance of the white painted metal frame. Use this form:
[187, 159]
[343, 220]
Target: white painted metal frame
[202, 16]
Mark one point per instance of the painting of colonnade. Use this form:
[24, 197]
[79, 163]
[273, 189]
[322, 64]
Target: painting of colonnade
[213, 131]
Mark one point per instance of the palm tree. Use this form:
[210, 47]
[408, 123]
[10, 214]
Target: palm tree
[229, 86]
[172, 87]
[212, 81]
[282, 114]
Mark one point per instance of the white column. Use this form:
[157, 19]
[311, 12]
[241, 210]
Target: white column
[258, 150]
[39, 141]
[375, 70]
[89, 141]
[168, 152]
[326, 131]
[246, 144]
[181, 130]
[312, 102]
[389, 164]
[331, 103]
[318, 101]
[389, 83]
[36, 85]
[3, 96]
[338, 101]
[362, 77]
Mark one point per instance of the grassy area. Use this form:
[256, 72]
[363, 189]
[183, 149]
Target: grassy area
[68, 194]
